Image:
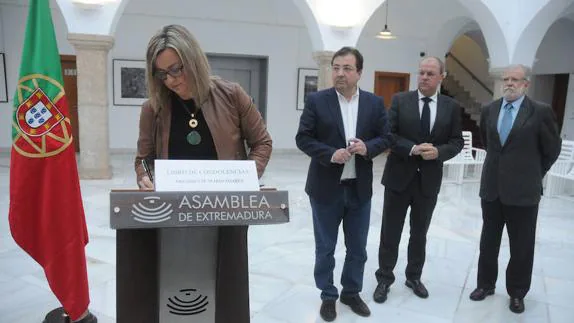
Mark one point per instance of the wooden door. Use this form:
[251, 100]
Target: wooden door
[70, 74]
[388, 83]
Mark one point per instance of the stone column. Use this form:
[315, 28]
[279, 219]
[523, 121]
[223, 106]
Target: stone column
[496, 74]
[323, 59]
[92, 65]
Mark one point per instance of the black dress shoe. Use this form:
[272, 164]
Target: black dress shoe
[417, 287]
[516, 305]
[480, 293]
[327, 311]
[357, 305]
[380, 294]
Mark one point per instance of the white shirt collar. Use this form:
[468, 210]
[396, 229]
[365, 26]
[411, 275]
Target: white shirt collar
[433, 97]
[516, 103]
[343, 97]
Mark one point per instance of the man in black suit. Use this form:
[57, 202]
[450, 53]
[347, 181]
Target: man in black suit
[427, 128]
[342, 129]
[522, 142]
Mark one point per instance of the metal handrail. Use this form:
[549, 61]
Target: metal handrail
[474, 77]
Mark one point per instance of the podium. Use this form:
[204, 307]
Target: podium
[167, 249]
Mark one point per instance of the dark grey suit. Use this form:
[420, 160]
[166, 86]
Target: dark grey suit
[510, 189]
[446, 135]
[412, 181]
[513, 173]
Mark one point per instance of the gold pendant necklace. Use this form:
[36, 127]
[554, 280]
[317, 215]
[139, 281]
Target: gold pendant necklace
[193, 137]
[193, 122]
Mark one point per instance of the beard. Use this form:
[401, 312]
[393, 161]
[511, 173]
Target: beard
[512, 94]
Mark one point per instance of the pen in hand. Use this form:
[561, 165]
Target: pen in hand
[147, 170]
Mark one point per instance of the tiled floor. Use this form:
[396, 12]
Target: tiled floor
[281, 259]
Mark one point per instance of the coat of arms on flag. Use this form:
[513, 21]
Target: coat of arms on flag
[41, 128]
[38, 115]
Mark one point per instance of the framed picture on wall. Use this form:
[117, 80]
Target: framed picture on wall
[307, 82]
[3, 83]
[129, 84]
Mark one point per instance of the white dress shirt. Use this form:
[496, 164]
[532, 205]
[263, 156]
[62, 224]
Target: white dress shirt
[349, 112]
[432, 107]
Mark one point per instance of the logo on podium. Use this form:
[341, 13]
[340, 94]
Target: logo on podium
[188, 302]
[152, 210]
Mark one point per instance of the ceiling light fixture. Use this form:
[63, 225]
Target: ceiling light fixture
[386, 32]
[91, 4]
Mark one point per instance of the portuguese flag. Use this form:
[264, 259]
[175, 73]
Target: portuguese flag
[46, 212]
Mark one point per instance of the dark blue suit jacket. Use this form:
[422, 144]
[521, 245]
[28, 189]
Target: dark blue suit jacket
[321, 133]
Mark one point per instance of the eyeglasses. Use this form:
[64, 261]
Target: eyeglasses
[346, 69]
[174, 71]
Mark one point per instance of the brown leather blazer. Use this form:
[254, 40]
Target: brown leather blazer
[231, 117]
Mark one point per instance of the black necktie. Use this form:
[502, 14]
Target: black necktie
[425, 118]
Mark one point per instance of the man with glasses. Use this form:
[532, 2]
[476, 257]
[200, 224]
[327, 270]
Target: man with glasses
[522, 142]
[342, 129]
[427, 128]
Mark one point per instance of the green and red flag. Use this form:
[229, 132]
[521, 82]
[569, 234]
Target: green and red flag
[46, 213]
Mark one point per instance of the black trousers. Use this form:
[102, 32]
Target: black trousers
[394, 214]
[521, 227]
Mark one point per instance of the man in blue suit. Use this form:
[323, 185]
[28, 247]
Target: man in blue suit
[522, 142]
[342, 129]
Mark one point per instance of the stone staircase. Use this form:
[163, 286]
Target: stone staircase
[471, 106]
[467, 88]
[470, 122]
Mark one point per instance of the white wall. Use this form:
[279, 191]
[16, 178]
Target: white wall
[554, 55]
[398, 55]
[13, 24]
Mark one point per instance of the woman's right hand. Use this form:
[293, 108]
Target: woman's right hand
[145, 184]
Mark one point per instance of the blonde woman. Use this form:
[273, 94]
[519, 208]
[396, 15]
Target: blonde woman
[193, 115]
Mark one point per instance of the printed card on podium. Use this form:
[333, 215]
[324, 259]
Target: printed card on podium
[205, 175]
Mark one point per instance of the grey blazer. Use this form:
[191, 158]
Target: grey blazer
[514, 172]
